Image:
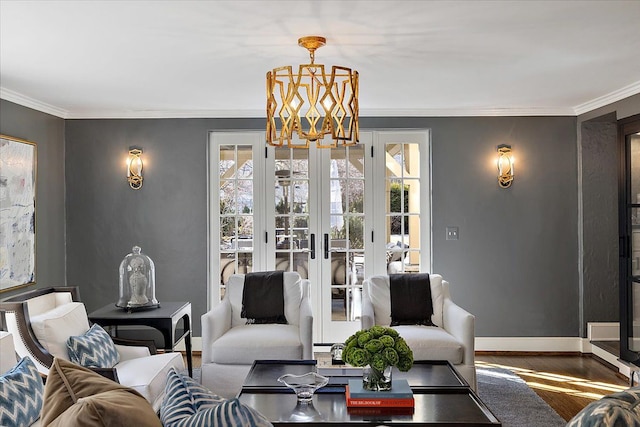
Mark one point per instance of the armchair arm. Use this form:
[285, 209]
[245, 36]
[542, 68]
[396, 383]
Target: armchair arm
[150, 344]
[107, 373]
[128, 352]
[215, 323]
[367, 318]
[306, 323]
[461, 324]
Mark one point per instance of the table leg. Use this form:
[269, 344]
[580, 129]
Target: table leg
[187, 344]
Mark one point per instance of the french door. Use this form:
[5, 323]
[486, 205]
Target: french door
[629, 227]
[336, 216]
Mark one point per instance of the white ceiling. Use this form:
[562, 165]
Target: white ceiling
[78, 59]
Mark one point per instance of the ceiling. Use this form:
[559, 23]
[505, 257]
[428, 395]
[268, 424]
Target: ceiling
[99, 59]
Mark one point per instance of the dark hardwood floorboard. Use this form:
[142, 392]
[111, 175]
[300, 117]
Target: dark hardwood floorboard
[567, 383]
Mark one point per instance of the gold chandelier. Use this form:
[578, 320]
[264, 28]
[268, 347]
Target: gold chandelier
[312, 103]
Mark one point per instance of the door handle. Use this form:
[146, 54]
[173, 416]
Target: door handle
[326, 246]
[313, 246]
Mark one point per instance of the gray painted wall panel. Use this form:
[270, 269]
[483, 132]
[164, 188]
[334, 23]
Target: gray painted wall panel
[600, 160]
[516, 258]
[48, 133]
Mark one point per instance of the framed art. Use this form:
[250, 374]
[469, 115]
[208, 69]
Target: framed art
[17, 212]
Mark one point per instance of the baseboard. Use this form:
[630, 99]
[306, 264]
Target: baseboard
[529, 344]
[603, 331]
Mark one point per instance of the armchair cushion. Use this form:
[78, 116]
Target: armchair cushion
[53, 327]
[246, 343]
[94, 349]
[410, 299]
[431, 343]
[21, 394]
[263, 297]
[148, 375]
[76, 396]
[188, 404]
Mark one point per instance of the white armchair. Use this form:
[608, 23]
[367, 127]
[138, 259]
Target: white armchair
[42, 320]
[452, 338]
[230, 345]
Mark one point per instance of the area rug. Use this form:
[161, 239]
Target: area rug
[512, 401]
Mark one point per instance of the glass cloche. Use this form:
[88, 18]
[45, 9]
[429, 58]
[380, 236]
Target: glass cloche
[137, 282]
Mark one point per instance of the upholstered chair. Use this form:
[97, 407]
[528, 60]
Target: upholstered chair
[230, 345]
[451, 338]
[42, 320]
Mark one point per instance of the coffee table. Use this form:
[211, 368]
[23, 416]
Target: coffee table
[442, 398]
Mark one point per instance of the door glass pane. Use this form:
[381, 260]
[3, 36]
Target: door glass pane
[634, 148]
[236, 208]
[292, 210]
[403, 207]
[347, 221]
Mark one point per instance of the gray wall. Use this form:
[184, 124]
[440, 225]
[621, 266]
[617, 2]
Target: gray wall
[48, 133]
[515, 260]
[598, 164]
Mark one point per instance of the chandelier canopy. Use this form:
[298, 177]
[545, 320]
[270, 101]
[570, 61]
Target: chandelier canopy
[312, 104]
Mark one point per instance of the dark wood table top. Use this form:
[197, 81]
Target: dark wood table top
[167, 309]
[442, 398]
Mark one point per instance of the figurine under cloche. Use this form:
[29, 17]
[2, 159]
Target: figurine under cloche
[137, 282]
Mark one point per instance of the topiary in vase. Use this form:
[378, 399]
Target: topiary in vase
[377, 349]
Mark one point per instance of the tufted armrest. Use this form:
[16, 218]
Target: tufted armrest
[306, 322]
[215, 323]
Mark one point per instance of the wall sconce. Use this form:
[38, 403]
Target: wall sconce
[134, 168]
[505, 166]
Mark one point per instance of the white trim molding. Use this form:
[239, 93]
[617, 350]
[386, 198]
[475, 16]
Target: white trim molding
[29, 102]
[533, 344]
[610, 98]
[603, 331]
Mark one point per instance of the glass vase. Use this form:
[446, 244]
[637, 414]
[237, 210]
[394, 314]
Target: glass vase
[375, 380]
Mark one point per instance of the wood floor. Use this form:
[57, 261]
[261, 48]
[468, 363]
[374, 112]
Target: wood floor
[567, 383]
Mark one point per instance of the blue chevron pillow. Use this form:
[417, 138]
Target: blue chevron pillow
[94, 349]
[21, 391]
[188, 404]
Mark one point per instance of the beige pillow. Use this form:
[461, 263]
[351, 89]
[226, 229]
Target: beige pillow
[75, 396]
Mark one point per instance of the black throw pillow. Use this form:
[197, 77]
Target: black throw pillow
[263, 297]
[410, 299]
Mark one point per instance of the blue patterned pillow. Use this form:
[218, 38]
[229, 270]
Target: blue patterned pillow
[94, 349]
[617, 409]
[188, 404]
[21, 391]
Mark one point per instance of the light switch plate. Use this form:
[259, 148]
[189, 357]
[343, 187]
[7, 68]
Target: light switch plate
[452, 233]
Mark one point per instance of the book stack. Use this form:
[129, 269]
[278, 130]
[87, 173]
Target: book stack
[328, 369]
[365, 402]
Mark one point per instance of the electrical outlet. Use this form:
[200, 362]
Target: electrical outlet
[452, 233]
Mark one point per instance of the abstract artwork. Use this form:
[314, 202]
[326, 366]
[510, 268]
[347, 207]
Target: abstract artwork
[17, 212]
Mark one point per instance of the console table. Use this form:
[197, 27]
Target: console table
[165, 319]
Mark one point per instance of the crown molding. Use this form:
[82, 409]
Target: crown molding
[469, 112]
[454, 112]
[602, 101]
[26, 101]
[610, 98]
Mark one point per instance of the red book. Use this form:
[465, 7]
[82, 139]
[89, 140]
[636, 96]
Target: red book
[374, 402]
[368, 411]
